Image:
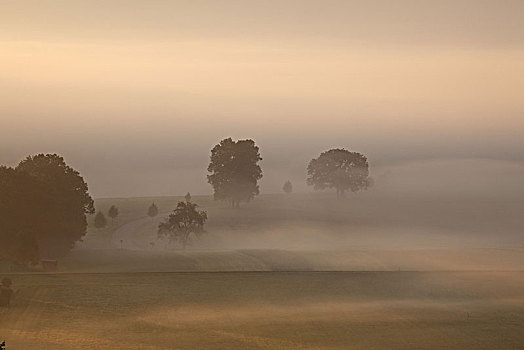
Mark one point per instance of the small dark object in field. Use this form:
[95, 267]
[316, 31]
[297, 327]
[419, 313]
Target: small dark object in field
[50, 265]
[288, 187]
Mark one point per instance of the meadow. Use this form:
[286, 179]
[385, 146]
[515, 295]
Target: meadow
[377, 270]
[267, 310]
[377, 230]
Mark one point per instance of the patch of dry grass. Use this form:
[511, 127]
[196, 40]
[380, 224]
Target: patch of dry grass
[374, 310]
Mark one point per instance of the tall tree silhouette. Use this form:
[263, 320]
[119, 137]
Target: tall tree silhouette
[185, 220]
[235, 171]
[339, 169]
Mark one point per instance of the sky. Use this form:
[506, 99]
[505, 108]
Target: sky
[134, 94]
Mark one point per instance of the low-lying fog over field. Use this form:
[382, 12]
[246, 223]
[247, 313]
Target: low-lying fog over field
[435, 215]
[268, 310]
[291, 174]
[430, 257]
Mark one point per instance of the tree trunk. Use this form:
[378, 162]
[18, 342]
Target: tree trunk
[185, 239]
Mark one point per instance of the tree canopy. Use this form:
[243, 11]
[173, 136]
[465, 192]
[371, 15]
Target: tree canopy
[339, 169]
[235, 171]
[185, 220]
[288, 187]
[43, 208]
[100, 220]
[21, 203]
[152, 211]
[113, 212]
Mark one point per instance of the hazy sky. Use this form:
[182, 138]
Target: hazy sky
[135, 93]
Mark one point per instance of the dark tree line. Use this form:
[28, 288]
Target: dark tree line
[43, 208]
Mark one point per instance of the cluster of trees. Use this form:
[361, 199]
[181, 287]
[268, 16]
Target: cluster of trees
[235, 171]
[44, 202]
[43, 208]
[234, 175]
[100, 218]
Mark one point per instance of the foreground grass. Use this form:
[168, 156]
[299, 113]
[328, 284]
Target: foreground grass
[299, 310]
[458, 259]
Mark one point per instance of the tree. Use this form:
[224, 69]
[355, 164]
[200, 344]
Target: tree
[53, 214]
[235, 171]
[152, 211]
[188, 197]
[43, 207]
[113, 212]
[100, 220]
[288, 187]
[22, 205]
[184, 221]
[339, 169]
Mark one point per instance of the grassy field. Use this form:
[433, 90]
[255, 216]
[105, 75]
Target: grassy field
[267, 310]
[375, 271]
[377, 230]
[397, 218]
